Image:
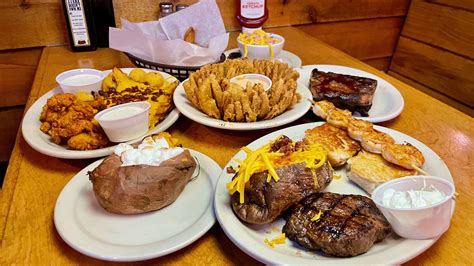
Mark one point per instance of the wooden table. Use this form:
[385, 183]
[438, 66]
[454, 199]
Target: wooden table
[34, 181]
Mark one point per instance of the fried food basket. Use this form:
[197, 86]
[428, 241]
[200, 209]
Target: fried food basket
[180, 72]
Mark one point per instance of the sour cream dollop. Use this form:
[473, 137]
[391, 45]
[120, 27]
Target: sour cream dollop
[412, 198]
[149, 152]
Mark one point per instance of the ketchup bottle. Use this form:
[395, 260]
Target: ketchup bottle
[251, 14]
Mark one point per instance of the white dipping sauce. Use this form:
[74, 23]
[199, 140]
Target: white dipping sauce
[412, 198]
[150, 152]
[122, 112]
[80, 80]
[243, 82]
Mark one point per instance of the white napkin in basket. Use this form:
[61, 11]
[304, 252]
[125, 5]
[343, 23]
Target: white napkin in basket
[162, 41]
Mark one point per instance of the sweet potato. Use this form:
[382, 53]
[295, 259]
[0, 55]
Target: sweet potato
[140, 188]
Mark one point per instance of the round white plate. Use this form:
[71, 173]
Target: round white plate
[41, 142]
[85, 226]
[286, 57]
[250, 238]
[290, 115]
[387, 102]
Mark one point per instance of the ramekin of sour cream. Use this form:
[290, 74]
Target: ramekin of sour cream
[81, 79]
[417, 207]
[125, 122]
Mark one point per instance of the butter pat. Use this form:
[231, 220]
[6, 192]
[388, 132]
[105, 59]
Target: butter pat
[149, 152]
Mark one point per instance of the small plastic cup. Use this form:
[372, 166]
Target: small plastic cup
[125, 122]
[266, 80]
[418, 223]
[81, 79]
[262, 51]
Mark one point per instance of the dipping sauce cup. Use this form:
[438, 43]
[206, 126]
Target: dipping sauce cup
[423, 222]
[252, 78]
[125, 122]
[81, 79]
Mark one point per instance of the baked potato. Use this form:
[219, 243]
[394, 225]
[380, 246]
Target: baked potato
[140, 188]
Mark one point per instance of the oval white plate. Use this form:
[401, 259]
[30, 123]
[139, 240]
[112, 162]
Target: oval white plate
[295, 112]
[250, 238]
[41, 142]
[285, 56]
[387, 103]
[89, 229]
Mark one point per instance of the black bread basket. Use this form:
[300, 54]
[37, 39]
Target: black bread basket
[180, 72]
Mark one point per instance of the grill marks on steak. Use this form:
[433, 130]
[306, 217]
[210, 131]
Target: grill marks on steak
[345, 91]
[264, 202]
[349, 224]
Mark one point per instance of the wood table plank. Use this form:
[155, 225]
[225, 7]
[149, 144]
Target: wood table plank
[34, 181]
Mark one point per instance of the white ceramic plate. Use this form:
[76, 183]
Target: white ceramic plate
[250, 238]
[387, 102]
[286, 57]
[89, 229]
[293, 113]
[41, 142]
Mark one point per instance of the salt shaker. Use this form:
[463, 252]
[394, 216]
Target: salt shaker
[166, 8]
[180, 7]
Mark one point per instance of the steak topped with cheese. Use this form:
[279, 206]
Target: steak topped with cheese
[266, 199]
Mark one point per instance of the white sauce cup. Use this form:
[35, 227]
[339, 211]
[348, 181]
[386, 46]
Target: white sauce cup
[241, 79]
[125, 122]
[81, 79]
[418, 223]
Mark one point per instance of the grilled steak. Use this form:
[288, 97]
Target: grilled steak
[348, 225]
[345, 91]
[265, 201]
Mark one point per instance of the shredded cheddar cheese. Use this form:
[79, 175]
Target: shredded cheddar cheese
[258, 37]
[280, 239]
[263, 159]
[317, 216]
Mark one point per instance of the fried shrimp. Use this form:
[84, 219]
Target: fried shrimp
[404, 155]
[357, 127]
[322, 108]
[374, 141]
[339, 118]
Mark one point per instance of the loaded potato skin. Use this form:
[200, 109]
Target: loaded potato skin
[138, 189]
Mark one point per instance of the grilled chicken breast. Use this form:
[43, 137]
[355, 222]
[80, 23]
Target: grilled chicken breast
[336, 142]
[369, 170]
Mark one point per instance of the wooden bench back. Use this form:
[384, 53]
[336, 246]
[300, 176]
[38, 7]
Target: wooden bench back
[435, 52]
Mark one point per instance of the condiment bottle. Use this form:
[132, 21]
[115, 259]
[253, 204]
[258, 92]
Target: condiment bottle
[180, 7]
[103, 19]
[251, 14]
[80, 25]
[166, 9]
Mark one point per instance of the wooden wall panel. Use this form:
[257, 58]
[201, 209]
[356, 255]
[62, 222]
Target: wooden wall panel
[26, 23]
[455, 104]
[382, 63]
[461, 4]
[442, 26]
[282, 13]
[440, 70]
[17, 71]
[41, 22]
[364, 39]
